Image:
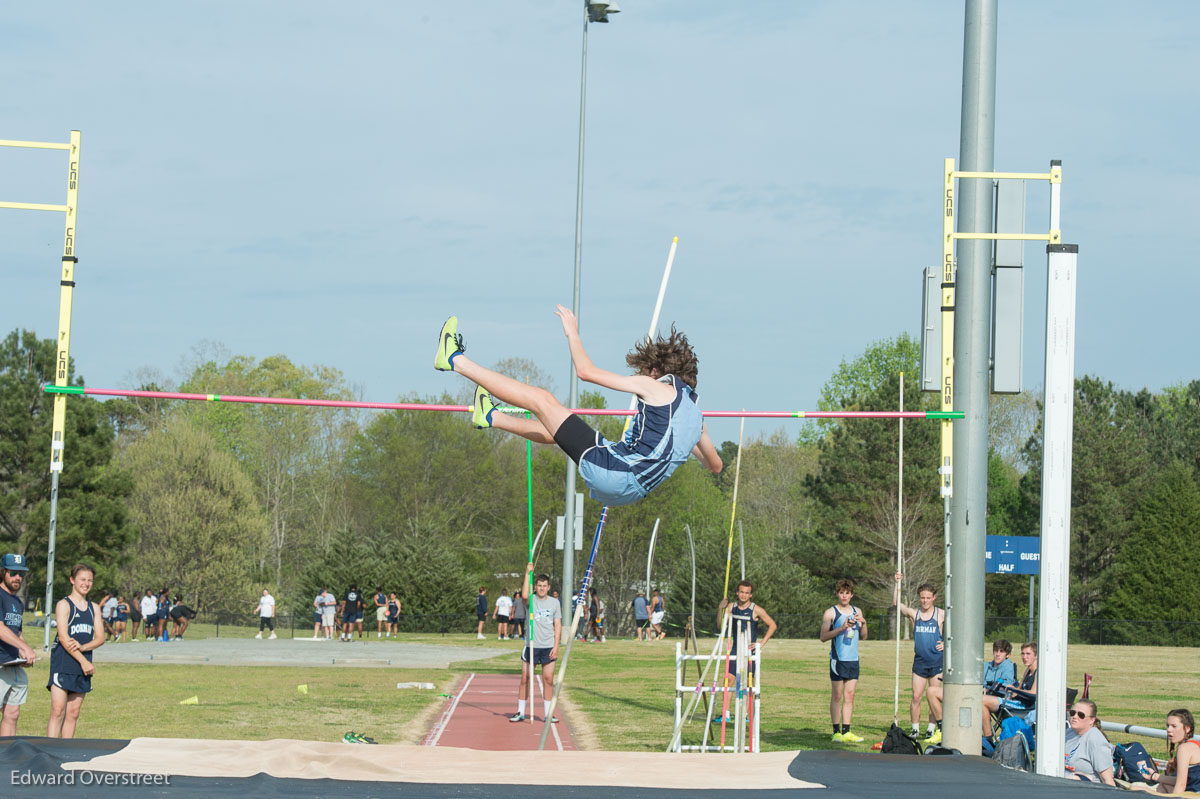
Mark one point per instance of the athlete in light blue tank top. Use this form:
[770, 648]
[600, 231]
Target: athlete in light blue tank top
[658, 439]
[844, 646]
[842, 626]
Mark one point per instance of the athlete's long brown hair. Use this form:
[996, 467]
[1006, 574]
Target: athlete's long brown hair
[672, 355]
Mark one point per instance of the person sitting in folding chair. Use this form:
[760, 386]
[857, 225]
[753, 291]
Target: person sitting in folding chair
[1017, 700]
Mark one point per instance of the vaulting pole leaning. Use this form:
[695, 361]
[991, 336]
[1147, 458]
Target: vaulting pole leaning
[419, 406]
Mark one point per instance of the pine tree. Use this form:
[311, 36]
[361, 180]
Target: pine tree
[1155, 573]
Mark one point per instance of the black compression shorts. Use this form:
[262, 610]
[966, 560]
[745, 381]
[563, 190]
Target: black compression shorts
[575, 437]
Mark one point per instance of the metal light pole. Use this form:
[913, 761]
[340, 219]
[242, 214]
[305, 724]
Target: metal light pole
[593, 11]
[962, 703]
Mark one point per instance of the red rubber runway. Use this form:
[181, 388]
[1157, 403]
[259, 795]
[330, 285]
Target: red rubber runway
[476, 717]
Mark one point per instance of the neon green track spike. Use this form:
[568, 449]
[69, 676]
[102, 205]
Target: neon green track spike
[449, 345]
[481, 410]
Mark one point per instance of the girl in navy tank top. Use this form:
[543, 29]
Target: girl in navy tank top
[71, 666]
[1183, 770]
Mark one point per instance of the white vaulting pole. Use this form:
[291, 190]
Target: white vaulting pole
[662, 291]
[649, 563]
[899, 550]
[662, 288]
[537, 541]
[650, 557]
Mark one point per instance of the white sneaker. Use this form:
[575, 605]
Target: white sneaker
[479, 636]
[378, 635]
[272, 637]
[259, 636]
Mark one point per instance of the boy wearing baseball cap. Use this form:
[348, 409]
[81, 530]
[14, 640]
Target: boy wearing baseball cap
[15, 654]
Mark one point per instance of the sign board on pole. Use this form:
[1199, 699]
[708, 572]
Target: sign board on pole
[578, 525]
[1013, 554]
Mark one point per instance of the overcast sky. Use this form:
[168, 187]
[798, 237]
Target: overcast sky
[331, 180]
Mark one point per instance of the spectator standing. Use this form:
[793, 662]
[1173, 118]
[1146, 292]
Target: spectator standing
[928, 621]
[358, 614]
[658, 610]
[135, 617]
[108, 603]
[745, 614]
[843, 625]
[329, 614]
[266, 614]
[317, 614]
[641, 616]
[520, 613]
[502, 614]
[121, 619]
[481, 610]
[164, 612]
[15, 654]
[545, 627]
[351, 612]
[595, 616]
[149, 606]
[71, 666]
[393, 617]
[381, 611]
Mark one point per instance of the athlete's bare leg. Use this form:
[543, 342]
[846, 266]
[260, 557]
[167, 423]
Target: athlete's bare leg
[549, 411]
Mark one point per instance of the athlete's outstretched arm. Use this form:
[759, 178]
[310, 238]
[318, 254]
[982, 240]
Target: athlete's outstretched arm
[647, 388]
[706, 453]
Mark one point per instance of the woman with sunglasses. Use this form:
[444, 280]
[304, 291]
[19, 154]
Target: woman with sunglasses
[1089, 754]
[1183, 770]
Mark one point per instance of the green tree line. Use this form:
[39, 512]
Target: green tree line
[217, 501]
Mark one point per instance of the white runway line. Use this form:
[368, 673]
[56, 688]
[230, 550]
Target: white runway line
[440, 727]
[553, 729]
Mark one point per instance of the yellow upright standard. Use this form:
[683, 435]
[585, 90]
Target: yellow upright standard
[62, 360]
[946, 469]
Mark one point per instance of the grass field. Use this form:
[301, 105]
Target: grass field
[620, 692]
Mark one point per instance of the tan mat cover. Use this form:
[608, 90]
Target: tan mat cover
[287, 759]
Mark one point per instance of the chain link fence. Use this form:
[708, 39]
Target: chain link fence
[880, 626]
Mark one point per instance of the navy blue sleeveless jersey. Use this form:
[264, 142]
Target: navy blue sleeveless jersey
[659, 438]
[743, 617]
[927, 633]
[81, 626]
[11, 609]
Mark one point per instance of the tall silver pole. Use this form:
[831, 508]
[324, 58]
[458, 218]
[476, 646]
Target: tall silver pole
[573, 402]
[46, 632]
[968, 512]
